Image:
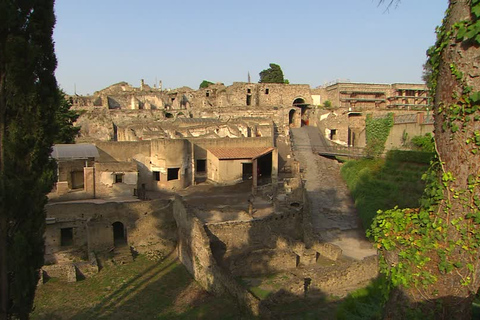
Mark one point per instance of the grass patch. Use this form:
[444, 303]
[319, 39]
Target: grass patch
[142, 289]
[381, 184]
[365, 303]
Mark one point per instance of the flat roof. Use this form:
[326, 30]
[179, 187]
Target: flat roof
[74, 151]
[240, 152]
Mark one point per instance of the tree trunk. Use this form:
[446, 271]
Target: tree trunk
[458, 77]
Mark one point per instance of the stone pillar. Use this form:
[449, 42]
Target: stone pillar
[274, 168]
[89, 181]
[254, 176]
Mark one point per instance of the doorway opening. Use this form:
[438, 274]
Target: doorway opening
[247, 170]
[119, 234]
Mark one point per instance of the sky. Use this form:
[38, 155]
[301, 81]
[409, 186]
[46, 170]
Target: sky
[182, 42]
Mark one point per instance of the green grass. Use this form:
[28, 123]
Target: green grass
[365, 303]
[381, 184]
[142, 289]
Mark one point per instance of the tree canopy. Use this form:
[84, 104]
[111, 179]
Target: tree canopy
[274, 74]
[205, 84]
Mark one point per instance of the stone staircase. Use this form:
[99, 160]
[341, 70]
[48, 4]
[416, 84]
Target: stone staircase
[122, 254]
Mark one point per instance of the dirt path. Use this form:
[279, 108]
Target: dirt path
[333, 213]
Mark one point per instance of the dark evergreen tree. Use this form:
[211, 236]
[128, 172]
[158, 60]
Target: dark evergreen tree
[274, 74]
[65, 118]
[29, 102]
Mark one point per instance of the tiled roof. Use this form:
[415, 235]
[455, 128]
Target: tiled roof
[240, 152]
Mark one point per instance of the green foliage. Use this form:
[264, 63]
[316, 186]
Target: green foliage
[435, 239]
[424, 143]
[377, 131]
[65, 119]
[274, 74]
[286, 81]
[327, 104]
[381, 184]
[29, 104]
[365, 303]
[420, 157]
[205, 84]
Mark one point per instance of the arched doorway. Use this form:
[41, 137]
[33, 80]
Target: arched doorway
[300, 103]
[119, 234]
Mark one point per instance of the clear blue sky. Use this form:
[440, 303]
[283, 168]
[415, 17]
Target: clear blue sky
[182, 42]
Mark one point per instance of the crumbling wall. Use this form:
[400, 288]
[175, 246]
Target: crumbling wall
[147, 223]
[194, 252]
[239, 236]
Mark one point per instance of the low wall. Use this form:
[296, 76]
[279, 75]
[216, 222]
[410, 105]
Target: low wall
[258, 233]
[194, 252]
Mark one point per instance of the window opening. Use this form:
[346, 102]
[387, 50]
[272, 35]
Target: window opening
[156, 175]
[201, 165]
[267, 91]
[172, 174]
[249, 100]
[333, 134]
[118, 177]
[66, 237]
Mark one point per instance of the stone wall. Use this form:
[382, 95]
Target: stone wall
[194, 252]
[147, 224]
[238, 236]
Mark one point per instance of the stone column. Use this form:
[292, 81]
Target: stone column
[254, 176]
[89, 181]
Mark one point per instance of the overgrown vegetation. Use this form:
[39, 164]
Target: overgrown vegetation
[430, 253]
[424, 143]
[376, 132]
[380, 184]
[365, 303]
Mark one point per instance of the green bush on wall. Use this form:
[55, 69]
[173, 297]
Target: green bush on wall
[377, 131]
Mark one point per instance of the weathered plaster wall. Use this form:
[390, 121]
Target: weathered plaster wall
[147, 223]
[106, 185]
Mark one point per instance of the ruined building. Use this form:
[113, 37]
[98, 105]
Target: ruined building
[251, 217]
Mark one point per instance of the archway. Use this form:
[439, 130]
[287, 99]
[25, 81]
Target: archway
[300, 103]
[119, 234]
[291, 117]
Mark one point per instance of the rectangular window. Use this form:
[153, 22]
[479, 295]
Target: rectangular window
[267, 91]
[201, 165]
[156, 175]
[333, 134]
[207, 94]
[66, 237]
[172, 174]
[249, 100]
[249, 90]
[118, 177]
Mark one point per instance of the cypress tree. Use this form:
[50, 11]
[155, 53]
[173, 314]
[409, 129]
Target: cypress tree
[29, 101]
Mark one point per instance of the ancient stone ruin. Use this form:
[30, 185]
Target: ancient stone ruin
[227, 177]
